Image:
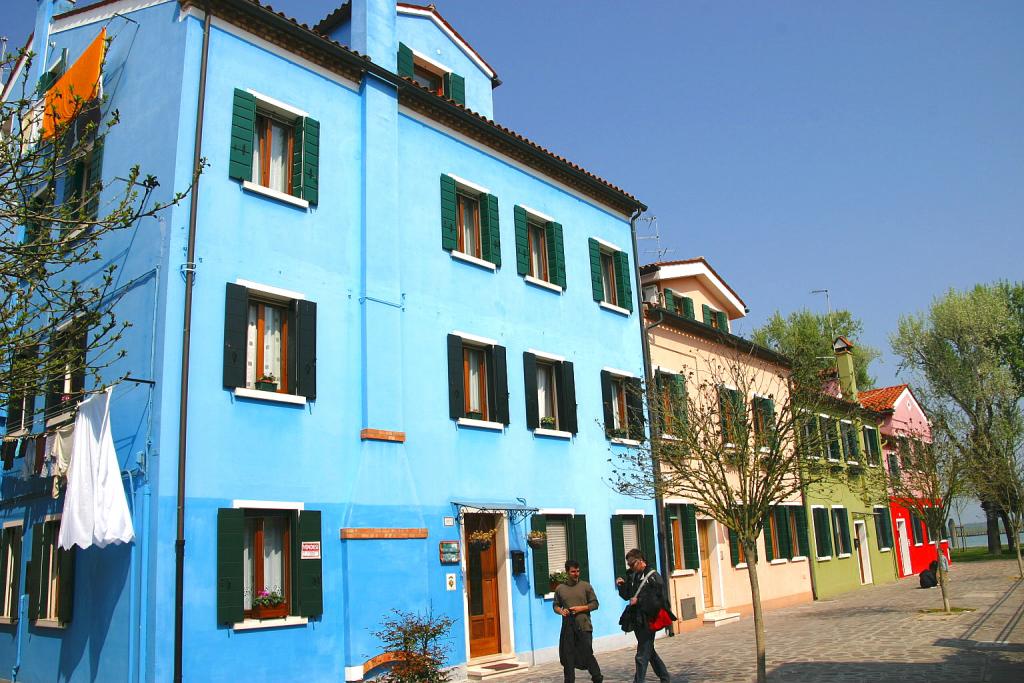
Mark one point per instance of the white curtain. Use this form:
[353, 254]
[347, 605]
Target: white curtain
[272, 342]
[474, 380]
[468, 226]
[279, 165]
[247, 572]
[273, 554]
[545, 391]
[250, 347]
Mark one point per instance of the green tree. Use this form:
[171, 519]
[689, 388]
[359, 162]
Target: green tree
[806, 337]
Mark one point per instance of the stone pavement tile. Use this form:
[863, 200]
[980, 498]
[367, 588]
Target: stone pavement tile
[877, 634]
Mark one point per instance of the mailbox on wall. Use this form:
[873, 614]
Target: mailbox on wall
[518, 562]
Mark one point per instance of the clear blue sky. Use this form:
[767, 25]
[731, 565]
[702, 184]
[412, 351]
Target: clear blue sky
[872, 148]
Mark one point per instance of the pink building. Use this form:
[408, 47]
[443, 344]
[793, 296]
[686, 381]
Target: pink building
[904, 419]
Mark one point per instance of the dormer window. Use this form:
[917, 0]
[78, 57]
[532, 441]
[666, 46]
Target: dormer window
[428, 78]
[430, 75]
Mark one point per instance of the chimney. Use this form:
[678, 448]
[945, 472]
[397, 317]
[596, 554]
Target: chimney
[374, 33]
[847, 376]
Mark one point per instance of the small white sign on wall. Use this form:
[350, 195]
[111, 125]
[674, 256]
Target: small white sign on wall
[449, 521]
[310, 550]
[449, 581]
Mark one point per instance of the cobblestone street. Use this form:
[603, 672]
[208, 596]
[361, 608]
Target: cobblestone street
[876, 634]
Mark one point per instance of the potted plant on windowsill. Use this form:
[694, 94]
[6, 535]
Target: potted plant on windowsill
[548, 422]
[537, 539]
[267, 383]
[481, 540]
[475, 415]
[618, 433]
[269, 604]
[556, 578]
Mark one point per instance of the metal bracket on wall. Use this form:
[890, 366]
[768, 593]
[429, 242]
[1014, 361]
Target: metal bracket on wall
[516, 512]
[398, 304]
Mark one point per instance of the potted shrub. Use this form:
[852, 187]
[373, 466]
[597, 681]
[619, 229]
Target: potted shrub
[267, 383]
[269, 604]
[475, 415]
[537, 539]
[619, 433]
[481, 540]
[556, 578]
[548, 422]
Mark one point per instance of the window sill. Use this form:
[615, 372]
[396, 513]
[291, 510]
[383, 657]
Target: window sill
[272, 396]
[613, 308]
[853, 462]
[480, 424]
[683, 572]
[274, 194]
[48, 623]
[741, 565]
[780, 560]
[7, 621]
[669, 437]
[625, 442]
[64, 418]
[544, 284]
[884, 550]
[473, 260]
[549, 596]
[824, 559]
[255, 624]
[798, 558]
[843, 556]
[555, 433]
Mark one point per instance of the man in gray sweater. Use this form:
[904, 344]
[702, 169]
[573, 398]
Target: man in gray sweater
[574, 601]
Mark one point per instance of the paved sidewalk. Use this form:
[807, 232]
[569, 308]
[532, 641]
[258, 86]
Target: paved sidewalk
[871, 635]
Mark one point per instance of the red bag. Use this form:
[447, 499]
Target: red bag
[663, 620]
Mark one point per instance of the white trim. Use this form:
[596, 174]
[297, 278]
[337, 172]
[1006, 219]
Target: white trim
[549, 596]
[625, 442]
[826, 558]
[570, 512]
[542, 283]
[536, 214]
[283, 108]
[741, 565]
[798, 558]
[267, 505]
[556, 433]
[10, 524]
[253, 624]
[274, 194]
[93, 15]
[702, 271]
[474, 338]
[467, 184]
[272, 396]
[432, 62]
[48, 623]
[631, 513]
[853, 462]
[354, 673]
[669, 437]
[618, 372]
[613, 308]
[841, 507]
[607, 244]
[683, 572]
[843, 555]
[52, 517]
[779, 560]
[482, 424]
[462, 45]
[283, 294]
[547, 356]
[462, 256]
[849, 422]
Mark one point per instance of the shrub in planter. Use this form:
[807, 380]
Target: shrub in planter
[419, 643]
[548, 422]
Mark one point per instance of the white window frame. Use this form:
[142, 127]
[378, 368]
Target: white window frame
[285, 297]
[11, 595]
[832, 519]
[817, 555]
[885, 511]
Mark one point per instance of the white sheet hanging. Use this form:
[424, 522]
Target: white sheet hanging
[95, 506]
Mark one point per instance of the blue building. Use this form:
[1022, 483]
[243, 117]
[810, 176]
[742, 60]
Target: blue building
[388, 325]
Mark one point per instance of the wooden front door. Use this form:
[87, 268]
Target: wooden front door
[482, 589]
[705, 562]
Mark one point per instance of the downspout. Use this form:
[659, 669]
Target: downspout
[659, 512]
[186, 339]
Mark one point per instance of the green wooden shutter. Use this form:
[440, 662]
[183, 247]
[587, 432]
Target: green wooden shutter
[782, 526]
[670, 299]
[623, 280]
[672, 513]
[606, 402]
[530, 390]
[660, 386]
[44, 563]
[706, 311]
[635, 408]
[679, 408]
[734, 547]
[596, 282]
[230, 565]
[17, 538]
[688, 307]
[888, 528]
[5, 583]
[236, 327]
[73, 188]
[556, 253]
[33, 572]
[647, 541]
[801, 531]
[490, 234]
[768, 549]
[844, 526]
[449, 224]
[455, 87]
[522, 241]
[65, 585]
[456, 401]
[243, 130]
[826, 532]
[297, 146]
[723, 321]
[691, 552]
[499, 380]
[304, 352]
[311, 161]
[618, 548]
[310, 575]
[405, 61]
[540, 557]
[566, 397]
[92, 193]
[879, 529]
[579, 545]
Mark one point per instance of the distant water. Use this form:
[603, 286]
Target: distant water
[982, 541]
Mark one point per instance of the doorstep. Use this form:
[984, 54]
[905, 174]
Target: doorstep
[495, 668]
[719, 617]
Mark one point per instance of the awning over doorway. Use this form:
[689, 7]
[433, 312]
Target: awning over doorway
[516, 510]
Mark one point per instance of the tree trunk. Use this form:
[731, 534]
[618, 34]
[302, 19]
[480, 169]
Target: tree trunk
[942, 577]
[1016, 535]
[992, 529]
[750, 551]
[1011, 540]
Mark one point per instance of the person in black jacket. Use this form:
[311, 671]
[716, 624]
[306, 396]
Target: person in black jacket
[645, 590]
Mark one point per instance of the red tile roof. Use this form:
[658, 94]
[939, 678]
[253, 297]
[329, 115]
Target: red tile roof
[881, 399]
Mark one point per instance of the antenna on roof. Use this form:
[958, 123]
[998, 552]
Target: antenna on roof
[831, 327]
[658, 252]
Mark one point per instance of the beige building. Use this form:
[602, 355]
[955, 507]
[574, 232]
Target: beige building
[689, 310]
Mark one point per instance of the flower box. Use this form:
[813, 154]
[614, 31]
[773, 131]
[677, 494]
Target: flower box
[266, 386]
[274, 612]
[548, 423]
